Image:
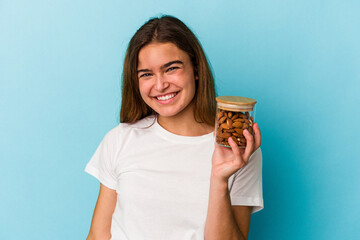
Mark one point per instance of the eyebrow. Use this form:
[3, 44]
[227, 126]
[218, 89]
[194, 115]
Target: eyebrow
[163, 66]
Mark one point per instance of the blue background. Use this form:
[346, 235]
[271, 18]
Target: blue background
[60, 70]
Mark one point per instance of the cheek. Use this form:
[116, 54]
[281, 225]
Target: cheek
[184, 79]
[144, 89]
[191, 85]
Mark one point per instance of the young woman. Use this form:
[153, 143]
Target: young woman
[161, 175]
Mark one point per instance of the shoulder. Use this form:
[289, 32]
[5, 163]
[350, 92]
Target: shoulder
[256, 159]
[254, 165]
[124, 135]
[256, 155]
[123, 130]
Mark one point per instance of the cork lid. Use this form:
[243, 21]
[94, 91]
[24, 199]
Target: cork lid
[236, 103]
[236, 100]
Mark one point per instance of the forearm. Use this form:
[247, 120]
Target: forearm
[92, 237]
[220, 221]
[101, 222]
[98, 235]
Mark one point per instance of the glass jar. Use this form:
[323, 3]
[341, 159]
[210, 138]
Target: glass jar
[234, 115]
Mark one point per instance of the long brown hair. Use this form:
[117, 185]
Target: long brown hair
[167, 29]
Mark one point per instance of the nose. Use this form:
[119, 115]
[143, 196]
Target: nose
[161, 83]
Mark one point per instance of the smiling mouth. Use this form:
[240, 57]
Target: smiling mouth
[166, 96]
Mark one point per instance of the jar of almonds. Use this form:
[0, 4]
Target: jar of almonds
[234, 115]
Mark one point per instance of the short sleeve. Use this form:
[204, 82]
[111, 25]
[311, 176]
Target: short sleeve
[246, 187]
[101, 165]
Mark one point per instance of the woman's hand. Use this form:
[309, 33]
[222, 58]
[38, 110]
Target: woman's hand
[225, 161]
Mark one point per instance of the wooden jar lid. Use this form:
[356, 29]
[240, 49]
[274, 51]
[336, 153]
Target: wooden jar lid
[236, 100]
[231, 103]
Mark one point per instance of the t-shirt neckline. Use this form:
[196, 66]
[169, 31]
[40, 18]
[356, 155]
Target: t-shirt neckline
[179, 138]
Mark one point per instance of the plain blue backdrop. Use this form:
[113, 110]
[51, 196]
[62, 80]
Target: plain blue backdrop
[60, 71]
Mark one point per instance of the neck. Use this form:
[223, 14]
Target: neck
[184, 124]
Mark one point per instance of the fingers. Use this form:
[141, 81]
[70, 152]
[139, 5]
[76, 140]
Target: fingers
[257, 136]
[249, 145]
[237, 155]
[234, 147]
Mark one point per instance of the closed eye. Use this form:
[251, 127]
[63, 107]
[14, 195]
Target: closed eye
[145, 75]
[171, 69]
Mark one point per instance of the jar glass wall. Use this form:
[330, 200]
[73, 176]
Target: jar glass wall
[234, 115]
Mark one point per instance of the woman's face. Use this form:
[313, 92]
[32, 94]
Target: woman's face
[166, 78]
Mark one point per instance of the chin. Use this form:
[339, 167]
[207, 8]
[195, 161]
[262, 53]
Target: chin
[167, 114]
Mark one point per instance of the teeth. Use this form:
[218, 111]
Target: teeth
[166, 97]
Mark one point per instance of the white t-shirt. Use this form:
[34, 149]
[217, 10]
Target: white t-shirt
[162, 181]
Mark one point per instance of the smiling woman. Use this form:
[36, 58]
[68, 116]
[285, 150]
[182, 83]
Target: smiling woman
[166, 30]
[168, 84]
[161, 175]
